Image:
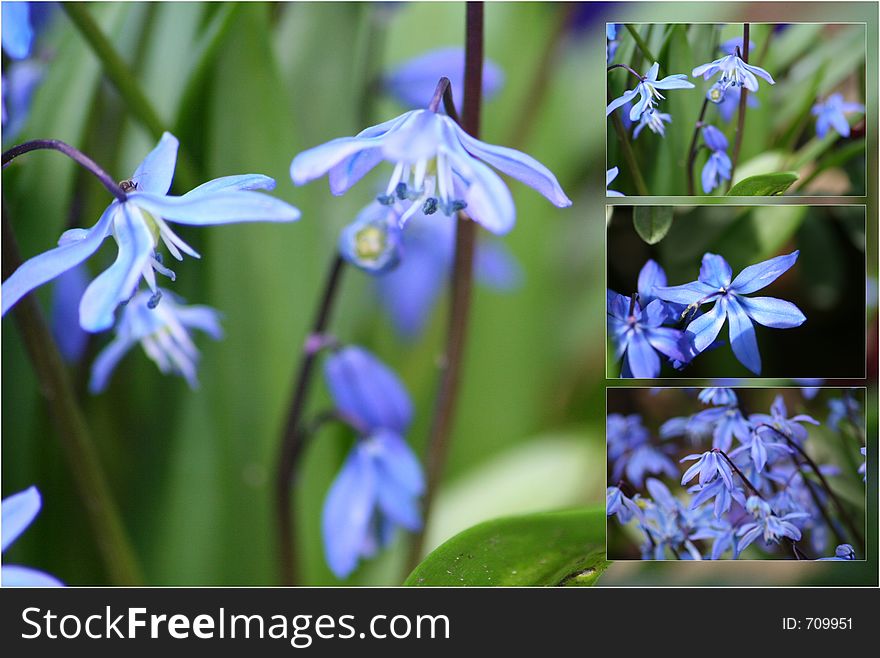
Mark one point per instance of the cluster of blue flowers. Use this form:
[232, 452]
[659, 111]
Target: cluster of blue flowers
[762, 491]
[669, 319]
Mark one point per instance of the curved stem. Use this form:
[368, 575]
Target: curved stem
[624, 66]
[293, 438]
[692, 149]
[462, 285]
[628, 155]
[443, 93]
[741, 117]
[74, 154]
[114, 546]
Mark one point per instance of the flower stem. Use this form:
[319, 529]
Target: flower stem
[818, 503]
[857, 535]
[641, 44]
[443, 93]
[123, 79]
[113, 543]
[628, 155]
[293, 439]
[741, 116]
[74, 154]
[461, 288]
[624, 66]
[692, 149]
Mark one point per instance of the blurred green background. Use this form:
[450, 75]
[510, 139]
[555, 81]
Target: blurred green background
[192, 471]
[807, 62]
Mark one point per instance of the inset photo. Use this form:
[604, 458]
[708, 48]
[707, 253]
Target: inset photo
[739, 109]
[736, 473]
[734, 291]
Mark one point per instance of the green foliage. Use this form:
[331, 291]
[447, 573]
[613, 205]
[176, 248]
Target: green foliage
[764, 185]
[652, 223]
[547, 549]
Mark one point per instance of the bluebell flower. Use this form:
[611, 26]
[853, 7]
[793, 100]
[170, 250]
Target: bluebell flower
[718, 396]
[18, 511]
[831, 113]
[381, 480]
[648, 91]
[617, 503]
[727, 422]
[373, 241]
[718, 166]
[762, 448]
[651, 277]
[767, 525]
[17, 32]
[610, 175]
[716, 283]
[653, 120]
[163, 331]
[409, 291]
[437, 167]
[843, 552]
[71, 339]
[693, 428]
[718, 491]
[624, 433]
[638, 333]
[414, 81]
[138, 225]
[723, 536]
[708, 466]
[734, 73]
[844, 408]
[642, 461]
[726, 99]
[779, 421]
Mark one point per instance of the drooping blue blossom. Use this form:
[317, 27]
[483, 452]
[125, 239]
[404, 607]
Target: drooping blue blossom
[137, 225]
[718, 166]
[18, 511]
[717, 396]
[767, 525]
[708, 466]
[17, 32]
[723, 536]
[727, 422]
[718, 491]
[727, 100]
[617, 503]
[831, 113]
[409, 291]
[624, 433]
[638, 335]
[734, 73]
[653, 120]
[695, 429]
[762, 447]
[413, 81]
[610, 175]
[163, 331]
[69, 288]
[648, 91]
[381, 480]
[844, 552]
[779, 421]
[437, 166]
[631, 452]
[716, 283]
[373, 241]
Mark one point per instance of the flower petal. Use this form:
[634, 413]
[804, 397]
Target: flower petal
[651, 276]
[715, 271]
[106, 361]
[621, 100]
[688, 293]
[677, 81]
[757, 70]
[317, 161]
[232, 184]
[17, 512]
[643, 360]
[48, 265]
[219, 208]
[117, 283]
[760, 275]
[742, 337]
[489, 202]
[706, 328]
[156, 172]
[772, 312]
[13, 575]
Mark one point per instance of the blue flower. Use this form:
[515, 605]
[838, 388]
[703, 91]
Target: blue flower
[610, 175]
[767, 524]
[612, 41]
[18, 511]
[727, 100]
[624, 433]
[651, 277]
[68, 289]
[638, 333]
[762, 448]
[734, 73]
[717, 396]
[409, 291]
[718, 166]
[653, 120]
[163, 330]
[716, 283]
[381, 480]
[718, 490]
[20, 81]
[617, 503]
[18, 35]
[137, 225]
[642, 461]
[373, 241]
[709, 465]
[648, 92]
[779, 421]
[437, 167]
[843, 552]
[414, 81]
[727, 422]
[831, 114]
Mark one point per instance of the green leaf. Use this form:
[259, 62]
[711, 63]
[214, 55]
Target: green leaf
[765, 184]
[546, 549]
[652, 223]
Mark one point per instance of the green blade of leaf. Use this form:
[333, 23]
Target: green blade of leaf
[546, 549]
[652, 223]
[765, 184]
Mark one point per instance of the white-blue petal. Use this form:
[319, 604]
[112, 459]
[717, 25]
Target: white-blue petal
[772, 312]
[106, 361]
[757, 276]
[232, 184]
[742, 337]
[156, 172]
[17, 512]
[219, 208]
[13, 575]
